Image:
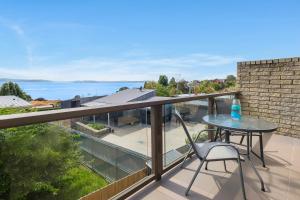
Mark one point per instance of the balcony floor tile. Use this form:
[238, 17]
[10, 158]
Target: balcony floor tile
[281, 176]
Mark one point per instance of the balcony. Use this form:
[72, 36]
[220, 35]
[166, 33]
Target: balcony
[281, 177]
[141, 144]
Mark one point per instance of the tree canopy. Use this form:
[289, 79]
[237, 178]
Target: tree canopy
[172, 82]
[42, 161]
[230, 81]
[123, 88]
[163, 88]
[150, 85]
[10, 88]
[163, 80]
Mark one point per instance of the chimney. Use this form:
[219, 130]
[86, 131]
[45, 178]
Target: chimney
[75, 102]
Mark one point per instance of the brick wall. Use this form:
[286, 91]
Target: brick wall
[271, 90]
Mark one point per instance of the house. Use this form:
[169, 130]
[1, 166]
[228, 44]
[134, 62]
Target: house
[121, 97]
[13, 101]
[77, 101]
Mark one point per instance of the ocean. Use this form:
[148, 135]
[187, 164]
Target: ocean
[54, 90]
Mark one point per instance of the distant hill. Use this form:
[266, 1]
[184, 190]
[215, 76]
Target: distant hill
[90, 81]
[23, 80]
[79, 81]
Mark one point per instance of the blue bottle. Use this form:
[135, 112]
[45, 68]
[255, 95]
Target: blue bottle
[236, 112]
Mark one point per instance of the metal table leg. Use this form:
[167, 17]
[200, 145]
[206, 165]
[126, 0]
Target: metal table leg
[248, 145]
[227, 136]
[249, 134]
[261, 148]
[242, 139]
[251, 140]
[217, 133]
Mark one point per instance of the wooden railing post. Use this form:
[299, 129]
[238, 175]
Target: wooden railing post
[211, 103]
[156, 141]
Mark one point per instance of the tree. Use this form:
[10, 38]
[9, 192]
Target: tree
[42, 161]
[40, 99]
[183, 86]
[172, 82]
[172, 91]
[123, 88]
[162, 91]
[217, 86]
[197, 89]
[231, 78]
[150, 85]
[206, 87]
[34, 159]
[163, 80]
[10, 88]
[230, 81]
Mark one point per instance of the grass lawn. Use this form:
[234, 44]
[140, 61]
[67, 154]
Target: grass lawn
[86, 182]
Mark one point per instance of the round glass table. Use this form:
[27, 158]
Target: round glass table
[247, 125]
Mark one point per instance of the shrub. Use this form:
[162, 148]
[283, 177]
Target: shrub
[97, 126]
[202, 137]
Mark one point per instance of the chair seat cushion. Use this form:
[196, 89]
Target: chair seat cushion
[217, 152]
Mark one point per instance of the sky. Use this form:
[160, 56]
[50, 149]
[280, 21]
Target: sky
[141, 39]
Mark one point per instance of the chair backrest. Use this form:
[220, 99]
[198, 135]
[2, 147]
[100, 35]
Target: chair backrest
[179, 118]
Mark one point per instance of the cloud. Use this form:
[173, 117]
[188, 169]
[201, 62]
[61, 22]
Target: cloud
[134, 64]
[74, 26]
[192, 66]
[20, 32]
[17, 29]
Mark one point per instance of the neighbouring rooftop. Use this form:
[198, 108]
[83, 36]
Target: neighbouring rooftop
[13, 101]
[124, 96]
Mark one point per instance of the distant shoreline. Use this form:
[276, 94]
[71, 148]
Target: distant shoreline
[76, 81]
[62, 90]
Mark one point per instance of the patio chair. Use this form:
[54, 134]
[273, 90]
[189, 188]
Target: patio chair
[222, 106]
[211, 151]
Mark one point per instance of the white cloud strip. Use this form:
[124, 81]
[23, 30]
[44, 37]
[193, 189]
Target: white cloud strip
[191, 66]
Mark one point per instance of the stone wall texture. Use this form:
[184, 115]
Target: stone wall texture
[270, 89]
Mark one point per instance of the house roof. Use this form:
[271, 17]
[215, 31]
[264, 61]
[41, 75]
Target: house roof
[122, 97]
[13, 101]
[158, 98]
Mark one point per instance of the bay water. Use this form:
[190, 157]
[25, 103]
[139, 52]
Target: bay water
[55, 90]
